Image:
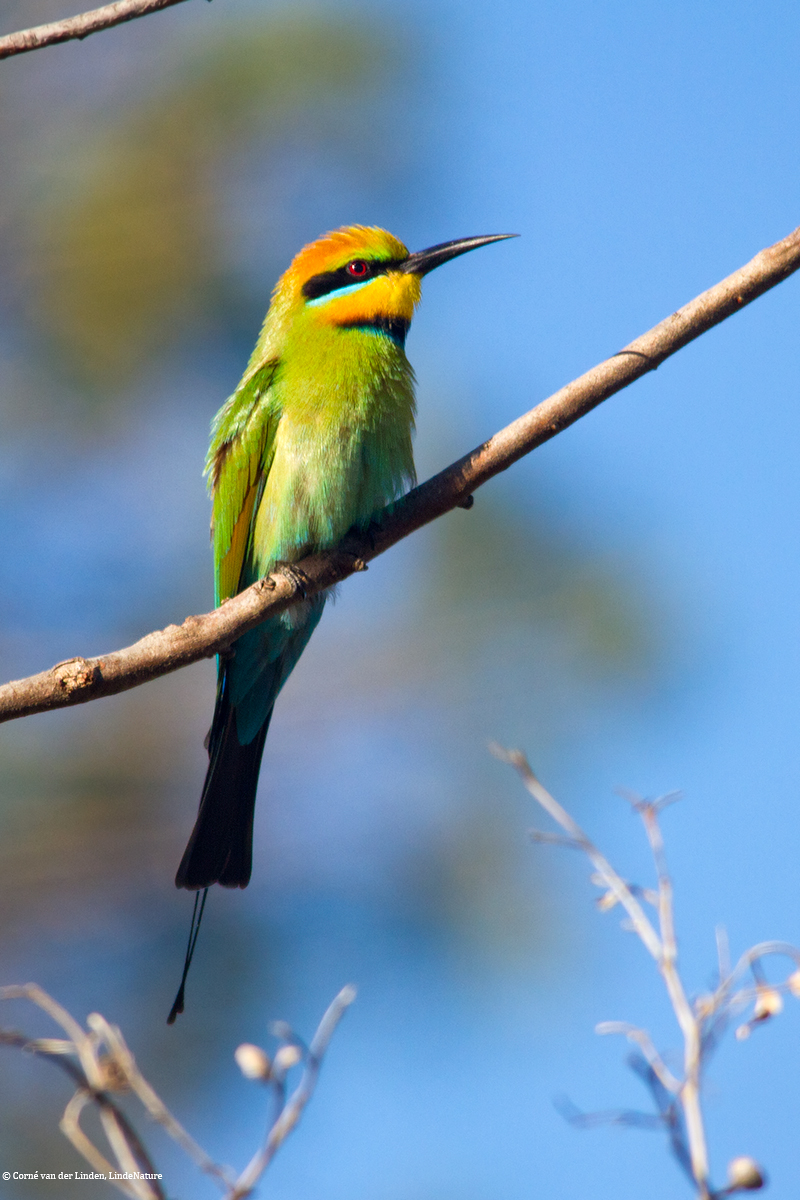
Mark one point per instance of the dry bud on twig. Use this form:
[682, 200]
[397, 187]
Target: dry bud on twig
[252, 1061]
[768, 1004]
[744, 1175]
[288, 1057]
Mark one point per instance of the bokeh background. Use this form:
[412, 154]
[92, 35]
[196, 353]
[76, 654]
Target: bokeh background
[623, 605]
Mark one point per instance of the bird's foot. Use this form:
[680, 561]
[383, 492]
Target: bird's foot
[370, 531]
[353, 547]
[298, 578]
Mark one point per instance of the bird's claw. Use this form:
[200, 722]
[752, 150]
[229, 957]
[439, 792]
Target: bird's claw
[370, 532]
[298, 578]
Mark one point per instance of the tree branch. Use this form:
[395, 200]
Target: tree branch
[80, 680]
[79, 27]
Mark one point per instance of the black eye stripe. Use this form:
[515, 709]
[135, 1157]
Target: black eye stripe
[331, 281]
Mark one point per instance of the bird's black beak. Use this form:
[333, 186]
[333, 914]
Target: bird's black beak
[425, 260]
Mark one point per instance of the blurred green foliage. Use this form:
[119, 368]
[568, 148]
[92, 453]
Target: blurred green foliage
[501, 567]
[127, 255]
[515, 628]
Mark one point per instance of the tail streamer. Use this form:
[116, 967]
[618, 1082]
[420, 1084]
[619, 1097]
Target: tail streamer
[194, 930]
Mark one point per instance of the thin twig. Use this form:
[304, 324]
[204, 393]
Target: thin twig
[677, 1100]
[81, 1043]
[614, 882]
[722, 997]
[294, 1106]
[82, 679]
[79, 27]
[70, 1126]
[128, 1165]
[670, 1113]
[663, 949]
[643, 1040]
[126, 1143]
[687, 1019]
[103, 1054]
[614, 1116]
[153, 1103]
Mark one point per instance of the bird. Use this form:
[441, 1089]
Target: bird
[315, 440]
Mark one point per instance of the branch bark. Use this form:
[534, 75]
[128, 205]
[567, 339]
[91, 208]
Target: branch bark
[82, 679]
[79, 27]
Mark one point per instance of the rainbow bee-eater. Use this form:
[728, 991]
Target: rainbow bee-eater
[315, 440]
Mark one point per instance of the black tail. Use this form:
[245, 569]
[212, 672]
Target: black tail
[220, 849]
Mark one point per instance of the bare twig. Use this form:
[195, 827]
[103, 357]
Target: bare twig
[82, 679]
[691, 1027]
[110, 1036]
[292, 1109]
[79, 27]
[643, 1040]
[611, 880]
[663, 948]
[628, 1117]
[98, 1060]
[71, 1128]
[126, 1140]
[677, 1100]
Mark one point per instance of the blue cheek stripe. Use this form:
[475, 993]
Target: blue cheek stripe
[342, 291]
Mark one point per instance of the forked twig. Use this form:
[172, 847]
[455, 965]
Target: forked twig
[292, 1109]
[612, 881]
[677, 1100]
[98, 1061]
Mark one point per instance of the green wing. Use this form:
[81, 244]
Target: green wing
[239, 459]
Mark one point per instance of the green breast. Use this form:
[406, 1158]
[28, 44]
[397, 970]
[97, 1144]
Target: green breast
[343, 443]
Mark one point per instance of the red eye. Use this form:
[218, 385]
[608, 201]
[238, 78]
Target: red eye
[358, 269]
